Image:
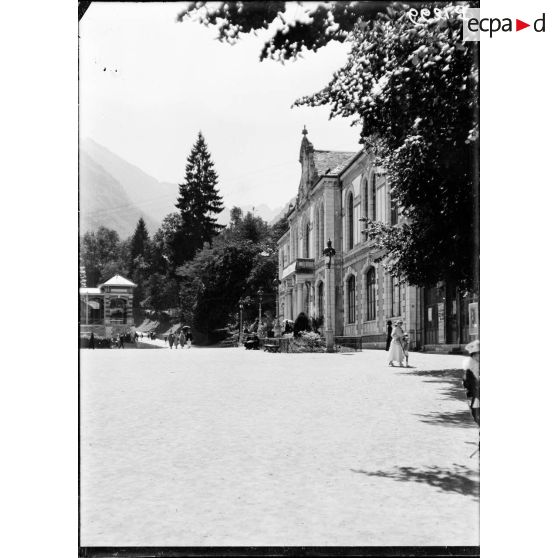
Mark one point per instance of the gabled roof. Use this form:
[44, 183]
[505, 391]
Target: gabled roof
[118, 281]
[331, 162]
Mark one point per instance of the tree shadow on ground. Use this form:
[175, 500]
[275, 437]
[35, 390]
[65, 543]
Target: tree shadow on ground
[447, 374]
[460, 418]
[459, 480]
[451, 381]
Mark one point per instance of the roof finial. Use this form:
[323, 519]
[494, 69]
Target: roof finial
[304, 130]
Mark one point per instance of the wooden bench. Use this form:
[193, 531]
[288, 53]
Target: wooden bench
[271, 348]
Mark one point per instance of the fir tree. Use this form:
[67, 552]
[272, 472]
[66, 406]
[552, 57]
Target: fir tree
[139, 243]
[413, 85]
[198, 202]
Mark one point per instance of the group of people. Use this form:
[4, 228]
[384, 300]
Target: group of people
[182, 338]
[150, 335]
[114, 342]
[397, 344]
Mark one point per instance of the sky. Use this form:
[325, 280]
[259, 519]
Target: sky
[148, 84]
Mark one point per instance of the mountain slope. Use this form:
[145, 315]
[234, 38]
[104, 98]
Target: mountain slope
[115, 193]
[152, 197]
[105, 202]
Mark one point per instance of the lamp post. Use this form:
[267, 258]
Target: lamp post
[241, 307]
[277, 328]
[260, 295]
[329, 253]
[261, 329]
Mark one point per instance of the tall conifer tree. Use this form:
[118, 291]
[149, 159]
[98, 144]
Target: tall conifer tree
[139, 241]
[198, 202]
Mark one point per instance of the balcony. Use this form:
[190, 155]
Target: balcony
[300, 265]
[304, 265]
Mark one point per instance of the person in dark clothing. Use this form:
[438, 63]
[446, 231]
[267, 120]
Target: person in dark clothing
[253, 342]
[389, 330]
[121, 340]
[171, 339]
[92, 341]
[471, 378]
[301, 324]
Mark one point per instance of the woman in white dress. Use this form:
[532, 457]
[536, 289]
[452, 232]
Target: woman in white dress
[396, 353]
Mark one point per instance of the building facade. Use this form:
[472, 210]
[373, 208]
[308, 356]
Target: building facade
[106, 310]
[337, 190]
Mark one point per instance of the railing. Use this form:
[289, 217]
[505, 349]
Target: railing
[346, 342]
[304, 265]
[300, 265]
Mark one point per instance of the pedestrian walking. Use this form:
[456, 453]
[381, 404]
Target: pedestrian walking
[171, 340]
[92, 341]
[471, 378]
[388, 338]
[182, 339]
[189, 338]
[395, 353]
[121, 340]
[176, 341]
[405, 345]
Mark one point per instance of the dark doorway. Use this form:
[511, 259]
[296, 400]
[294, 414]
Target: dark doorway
[452, 325]
[431, 315]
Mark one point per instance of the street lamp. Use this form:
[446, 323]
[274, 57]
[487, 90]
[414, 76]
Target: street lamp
[277, 328]
[329, 253]
[260, 294]
[241, 307]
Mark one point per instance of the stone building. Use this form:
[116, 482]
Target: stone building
[336, 190]
[107, 309]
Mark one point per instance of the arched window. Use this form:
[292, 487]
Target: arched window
[393, 217]
[306, 253]
[319, 228]
[320, 300]
[364, 205]
[371, 294]
[372, 212]
[350, 222]
[351, 300]
[395, 297]
[365, 201]
[321, 231]
[118, 310]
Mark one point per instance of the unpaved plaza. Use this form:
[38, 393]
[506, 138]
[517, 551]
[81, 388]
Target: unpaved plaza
[232, 447]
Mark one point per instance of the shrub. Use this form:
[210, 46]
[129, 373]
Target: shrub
[308, 342]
